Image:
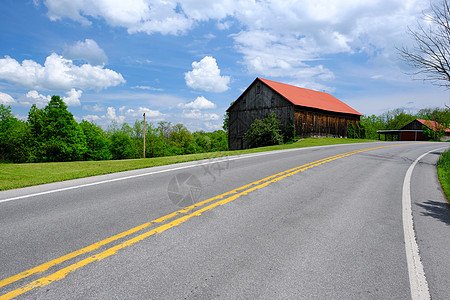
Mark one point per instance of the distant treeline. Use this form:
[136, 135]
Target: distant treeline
[52, 134]
[397, 118]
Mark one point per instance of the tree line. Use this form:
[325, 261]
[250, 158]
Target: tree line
[397, 118]
[52, 134]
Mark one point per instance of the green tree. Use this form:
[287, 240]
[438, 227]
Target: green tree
[62, 137]
[14, 137]
[181, 140]
[264, 132]
[122, 146]
[97, 143]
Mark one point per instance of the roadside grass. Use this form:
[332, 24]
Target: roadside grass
[23, 175]
[443, 167]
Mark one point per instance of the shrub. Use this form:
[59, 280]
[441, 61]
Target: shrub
[265, 132]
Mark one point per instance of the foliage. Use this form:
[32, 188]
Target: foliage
[21, 175]
[226, 120]
[122, 146]
[434, 133]
[288, 132]
[444, 172]
[96, 141]
[356, 132]
[265, 132]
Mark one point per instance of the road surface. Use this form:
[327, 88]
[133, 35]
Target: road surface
[314, 223]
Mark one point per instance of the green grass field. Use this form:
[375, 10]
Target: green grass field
[22, 175]
[444, 172]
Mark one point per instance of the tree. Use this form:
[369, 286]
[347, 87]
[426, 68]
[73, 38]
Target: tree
[430, 54]
[122, 146]
[97, 142]
[14, 137]
[265, 132]
[62, 138]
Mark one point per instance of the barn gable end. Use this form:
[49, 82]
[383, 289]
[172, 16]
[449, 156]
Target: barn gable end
[292, 105]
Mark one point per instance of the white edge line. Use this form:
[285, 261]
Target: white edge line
[417, 280]
[214, 160]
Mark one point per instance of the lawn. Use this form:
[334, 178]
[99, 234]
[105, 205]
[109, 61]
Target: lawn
[444, 172]
[22, 175]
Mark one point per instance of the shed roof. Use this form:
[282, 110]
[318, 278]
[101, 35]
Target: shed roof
[309, 98]
[433, 125]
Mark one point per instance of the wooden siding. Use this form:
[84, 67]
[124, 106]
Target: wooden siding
[315, 123]
[259, 100]
[414, 125]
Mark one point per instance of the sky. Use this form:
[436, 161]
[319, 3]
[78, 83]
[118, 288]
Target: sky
[186, 61]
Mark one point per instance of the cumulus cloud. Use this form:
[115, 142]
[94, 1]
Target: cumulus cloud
[87, 51]
[111, 115]
[6, 99]
[34, 97]
[73, 97]
[199, 103]
[91, 118]
[140, 112]
[95, 107]
[205, 75]
[197, 114]
[278, 38]
[137, 16]
[57, 73]
[125, 115]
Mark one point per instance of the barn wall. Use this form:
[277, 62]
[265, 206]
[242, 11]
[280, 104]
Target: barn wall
[317, 123]
[257, 102]
[414, 125]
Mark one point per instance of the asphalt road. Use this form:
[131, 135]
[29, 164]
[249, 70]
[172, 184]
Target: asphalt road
[328, 230]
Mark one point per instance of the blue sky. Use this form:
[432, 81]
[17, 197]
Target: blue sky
[185, 61]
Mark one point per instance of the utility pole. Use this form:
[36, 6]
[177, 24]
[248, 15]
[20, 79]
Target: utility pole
[144, 135]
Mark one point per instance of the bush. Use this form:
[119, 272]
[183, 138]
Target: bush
[265, 132]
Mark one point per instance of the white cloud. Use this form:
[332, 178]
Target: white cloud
[213, 126]
[140, 112]
[278, 38]
[73, 97]
[57, 73]
[199, 103]
[197, 114]
[205, 75]
[146, 87]
[91, 118]
[88, 51]
[111, 115]
[95, 107]
[6, 99]
[34, 97]
[137, 16]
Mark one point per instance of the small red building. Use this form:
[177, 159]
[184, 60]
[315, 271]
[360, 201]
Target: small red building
[414, 131]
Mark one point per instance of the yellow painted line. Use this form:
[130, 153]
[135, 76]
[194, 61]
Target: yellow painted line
[45, 266]
[113, 250]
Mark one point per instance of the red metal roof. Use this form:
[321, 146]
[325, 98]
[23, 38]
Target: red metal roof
[309, 98]
[432, 124]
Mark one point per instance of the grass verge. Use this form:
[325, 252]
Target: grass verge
[443, 167]
[23, 175]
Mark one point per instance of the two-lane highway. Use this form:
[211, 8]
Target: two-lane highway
[322, 222]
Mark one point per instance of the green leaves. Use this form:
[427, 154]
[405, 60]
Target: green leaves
[265, 132]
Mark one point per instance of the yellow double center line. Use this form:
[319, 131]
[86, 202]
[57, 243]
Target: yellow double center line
[229, 196]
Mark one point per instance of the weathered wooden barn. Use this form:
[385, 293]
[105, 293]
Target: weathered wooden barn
[312, 113]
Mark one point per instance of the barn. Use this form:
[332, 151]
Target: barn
[312, 113]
